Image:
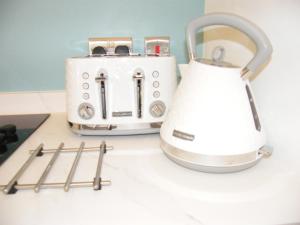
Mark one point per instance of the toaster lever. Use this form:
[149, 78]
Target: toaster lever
[138, 76]
[101, 80]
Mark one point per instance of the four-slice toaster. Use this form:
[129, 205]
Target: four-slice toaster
[113, 91]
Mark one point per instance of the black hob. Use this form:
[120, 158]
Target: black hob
[15, 129]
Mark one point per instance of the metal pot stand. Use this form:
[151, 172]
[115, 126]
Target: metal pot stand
[12, 187]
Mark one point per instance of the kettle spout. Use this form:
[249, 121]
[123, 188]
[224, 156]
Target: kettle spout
[183, 68]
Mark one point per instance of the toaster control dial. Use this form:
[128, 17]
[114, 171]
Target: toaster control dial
[157, 109]
[86, 111]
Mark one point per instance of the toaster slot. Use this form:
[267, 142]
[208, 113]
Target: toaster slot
[138, 78]
[110, 45]
[101, 80]
[122, 50]
[159, 46]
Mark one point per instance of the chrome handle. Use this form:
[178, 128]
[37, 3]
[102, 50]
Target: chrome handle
[139, 77]
[103, 100]
[101, 80]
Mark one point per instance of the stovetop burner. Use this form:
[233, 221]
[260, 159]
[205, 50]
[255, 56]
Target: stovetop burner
[15, 129]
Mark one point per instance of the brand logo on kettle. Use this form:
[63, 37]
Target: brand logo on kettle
[183, 135]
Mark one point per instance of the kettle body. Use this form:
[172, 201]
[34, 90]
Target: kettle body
[213, 124]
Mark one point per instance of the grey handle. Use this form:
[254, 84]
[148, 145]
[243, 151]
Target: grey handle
[263, 46]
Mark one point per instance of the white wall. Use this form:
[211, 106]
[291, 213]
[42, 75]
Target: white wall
[32, 102]
[277, 88]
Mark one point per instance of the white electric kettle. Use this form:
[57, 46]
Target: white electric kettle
[213, 124]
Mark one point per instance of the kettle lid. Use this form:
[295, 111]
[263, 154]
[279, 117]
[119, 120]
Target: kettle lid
[215, 63]
[217, 56]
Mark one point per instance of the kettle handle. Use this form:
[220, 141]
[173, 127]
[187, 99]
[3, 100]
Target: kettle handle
[263, 46]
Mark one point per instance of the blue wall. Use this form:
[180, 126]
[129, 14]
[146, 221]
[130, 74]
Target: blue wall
[37, 35]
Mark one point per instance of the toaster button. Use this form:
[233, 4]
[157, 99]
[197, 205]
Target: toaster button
[156, 94]
[85, 96]
[85, 86]
[157, 109]
[155, 74]
[155, 84]
[85, 75]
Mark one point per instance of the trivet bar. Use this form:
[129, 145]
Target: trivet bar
[86, 149]
[97, 179]
[48, 168]
[59, 185]
[10, 187]
[74, 166]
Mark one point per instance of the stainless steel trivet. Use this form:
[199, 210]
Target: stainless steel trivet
[12, 187]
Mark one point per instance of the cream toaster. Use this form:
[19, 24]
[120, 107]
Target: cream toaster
[115, 92]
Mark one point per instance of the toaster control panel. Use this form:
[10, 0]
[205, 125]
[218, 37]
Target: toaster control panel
[155, 84]
[157, 108]
[91, 83]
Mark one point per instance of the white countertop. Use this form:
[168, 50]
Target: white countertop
[147, 188]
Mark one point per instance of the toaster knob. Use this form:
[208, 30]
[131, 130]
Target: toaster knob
[86, 111]
[157, 109]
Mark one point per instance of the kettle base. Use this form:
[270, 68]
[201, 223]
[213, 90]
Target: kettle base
[211, 169]
[178, 156]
